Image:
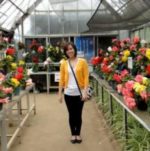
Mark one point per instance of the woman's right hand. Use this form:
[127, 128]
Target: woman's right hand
[60, 99]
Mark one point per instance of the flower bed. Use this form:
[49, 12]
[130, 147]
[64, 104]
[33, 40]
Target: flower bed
[131, 81]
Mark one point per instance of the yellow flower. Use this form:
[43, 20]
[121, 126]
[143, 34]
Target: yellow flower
[13, 65]
[145, 81]
[21, 63]
[9, 58]
[124, 59]
[148, 53]
[15, 82]
[139, 87]
[126, 53]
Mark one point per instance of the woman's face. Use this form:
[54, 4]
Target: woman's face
[70, 52]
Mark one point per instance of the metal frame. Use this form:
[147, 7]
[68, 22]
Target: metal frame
[16, 100]
[141, 117]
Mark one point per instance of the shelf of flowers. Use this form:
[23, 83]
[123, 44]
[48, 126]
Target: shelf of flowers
[13, 75]
[133, 84]
[43, 64]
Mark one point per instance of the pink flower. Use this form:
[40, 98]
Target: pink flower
[144, 95]
[130, 102]
[122, 44]
[127, 92]
[139, 57]
[132, 47]
[136, 40]
[3, 100]
[124, 73]
[8, 90]
[142, 50]
[127, 40]
[2, 77]
[119, 88]
[115, 49]
[139, 78]
[129, 85]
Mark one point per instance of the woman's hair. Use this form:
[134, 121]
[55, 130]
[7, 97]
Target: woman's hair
[66, 48]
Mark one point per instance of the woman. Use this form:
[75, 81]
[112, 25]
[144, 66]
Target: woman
[72, 95]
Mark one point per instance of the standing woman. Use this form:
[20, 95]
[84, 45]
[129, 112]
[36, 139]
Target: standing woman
[67, 83]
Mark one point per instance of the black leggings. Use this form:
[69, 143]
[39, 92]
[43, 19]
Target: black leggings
[74, 106]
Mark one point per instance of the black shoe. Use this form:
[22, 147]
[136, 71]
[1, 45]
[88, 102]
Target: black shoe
[73, 141]
[78, 141]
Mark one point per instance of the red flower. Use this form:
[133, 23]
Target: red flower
[100, 51]
[34, 45]
[10, 51]
[20, 69]
[105, 61]
[35, 59]
[106, 69]
[96, 60]
[18, 76]
[148, 69]
[40, 49]
[117, 77]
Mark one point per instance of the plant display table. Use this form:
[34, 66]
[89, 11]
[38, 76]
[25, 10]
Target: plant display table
[16, 104]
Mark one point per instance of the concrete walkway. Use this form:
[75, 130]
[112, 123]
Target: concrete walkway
[49, 129]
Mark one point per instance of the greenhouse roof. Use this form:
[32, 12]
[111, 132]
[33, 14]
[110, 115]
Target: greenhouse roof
[103, 15]
[13, 11]
[120, 14]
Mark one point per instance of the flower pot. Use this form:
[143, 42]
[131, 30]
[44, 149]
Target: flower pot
[17, 90]
[141, 104]
[1, 106]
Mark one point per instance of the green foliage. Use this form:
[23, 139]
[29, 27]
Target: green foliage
[55, 53]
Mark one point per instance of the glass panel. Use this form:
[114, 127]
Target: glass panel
[95, 4]
[70, 22]
[41, 23]
[142, 34]
[5, 6]
[13, 17]
[44, 5]
[147, 34]
[84, 4]
[70, 6]
[116, 4]
[29, 25]
[83, 19]
[56, 24]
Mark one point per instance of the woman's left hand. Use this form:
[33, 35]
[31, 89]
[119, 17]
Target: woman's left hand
[84, 96]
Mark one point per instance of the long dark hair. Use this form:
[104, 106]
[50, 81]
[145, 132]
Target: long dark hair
[66, 48]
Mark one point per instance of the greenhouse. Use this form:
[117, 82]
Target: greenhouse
[75, 75]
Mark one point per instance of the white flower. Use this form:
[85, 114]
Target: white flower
[25, 54]
[111, 64]
[48, 59]
[45, 63]
[143, 41]
[109, 49]
[29, 71]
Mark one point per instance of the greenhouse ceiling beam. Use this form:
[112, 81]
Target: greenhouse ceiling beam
[3, 29]
[110, 8]
[72, 10]
[1, 1]
[16, 6]
[29, 11]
